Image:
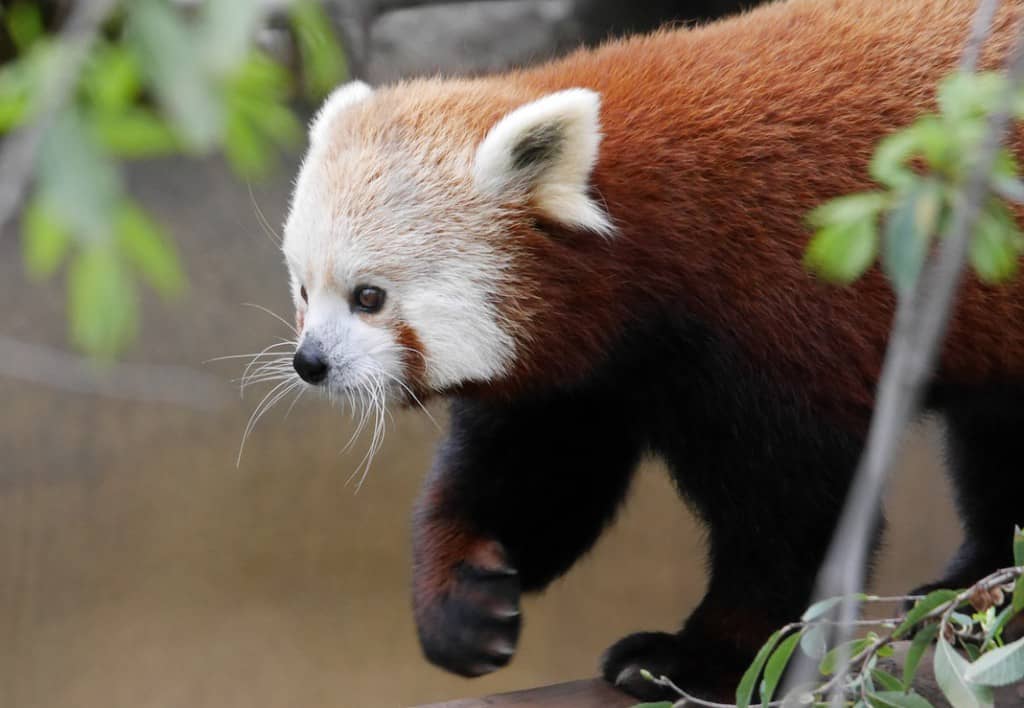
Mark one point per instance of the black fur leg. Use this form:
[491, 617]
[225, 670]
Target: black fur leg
[473, 628]
[526, 486]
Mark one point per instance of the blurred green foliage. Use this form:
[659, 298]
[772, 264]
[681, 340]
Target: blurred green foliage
[161, 80]
[920, 170]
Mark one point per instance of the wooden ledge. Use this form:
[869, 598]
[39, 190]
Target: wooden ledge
[595, 693]
[588, 693]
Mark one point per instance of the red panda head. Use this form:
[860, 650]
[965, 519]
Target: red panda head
[414, 241]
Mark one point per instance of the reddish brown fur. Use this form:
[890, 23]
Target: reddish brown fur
[717, 143]
[413, 356]
[441, 546]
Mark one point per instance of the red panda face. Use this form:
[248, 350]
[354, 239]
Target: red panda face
[401, 239]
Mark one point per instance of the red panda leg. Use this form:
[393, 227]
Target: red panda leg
[518, 492]
[767, 472]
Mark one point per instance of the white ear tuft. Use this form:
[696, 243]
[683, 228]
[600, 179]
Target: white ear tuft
[547, 149]
[340, 99]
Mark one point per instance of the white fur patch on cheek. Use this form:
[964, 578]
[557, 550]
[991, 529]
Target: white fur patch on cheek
[461, 334]
[547, 148]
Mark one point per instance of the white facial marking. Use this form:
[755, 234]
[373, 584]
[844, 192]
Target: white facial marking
[377, 206]
[548, 148]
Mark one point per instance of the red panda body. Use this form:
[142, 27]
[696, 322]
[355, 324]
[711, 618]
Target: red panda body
[719, 141]
[636, 286]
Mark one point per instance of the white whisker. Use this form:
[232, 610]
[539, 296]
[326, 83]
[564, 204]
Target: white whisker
[268, 401]
[264, 352]
[273, 314]
[302, 390]
[274, 237]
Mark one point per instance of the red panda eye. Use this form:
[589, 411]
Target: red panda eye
[303, 295]
[367, 298]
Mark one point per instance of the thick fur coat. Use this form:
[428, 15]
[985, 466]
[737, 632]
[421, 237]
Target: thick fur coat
[600, 258]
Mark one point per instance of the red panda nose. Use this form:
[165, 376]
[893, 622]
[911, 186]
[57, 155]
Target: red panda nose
[310, 363]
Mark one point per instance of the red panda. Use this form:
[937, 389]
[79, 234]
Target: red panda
[601, 258]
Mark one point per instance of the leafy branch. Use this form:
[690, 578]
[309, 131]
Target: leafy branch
[940, 617]
[128, 81]
[932, 189]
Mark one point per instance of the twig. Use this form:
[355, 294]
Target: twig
[981, 25]
[921, 320]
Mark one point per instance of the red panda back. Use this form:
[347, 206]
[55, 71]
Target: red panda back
[719, 140]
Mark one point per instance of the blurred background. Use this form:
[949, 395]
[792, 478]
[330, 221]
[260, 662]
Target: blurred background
[141, 566]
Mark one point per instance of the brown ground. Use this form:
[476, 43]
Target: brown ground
[140, 568]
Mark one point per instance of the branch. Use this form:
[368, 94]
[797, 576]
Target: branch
[149, 383]
[921, 321]
[18, 152]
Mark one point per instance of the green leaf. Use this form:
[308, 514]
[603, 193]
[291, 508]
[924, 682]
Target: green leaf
[776, 665]
[909, 228]
[745, 690]
[323, 61]
[1018, 595]
[247, 152]
[45, 240]
[146, 246]
[167, 51]
[102, 302]
[274, 121]
[852, 207]
[1018, 547]
[841, 253]
[888, 166]
[226, 30]
[887, 680]
[77, 179]
[898, 699]
[995, 630]
[19, 83]
[813, 642]
[24, 24]
[924, 606]
[135, 133]
[259, 77]
[999, 667]
[819, 608]
[971, 95]
[950, 669]
[995, 245]
[932, 137]
[113, 78]
[852, 648]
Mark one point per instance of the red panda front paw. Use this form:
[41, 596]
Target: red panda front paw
[470, 625]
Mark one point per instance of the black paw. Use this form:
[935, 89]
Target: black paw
[473, 627]
[702, 668]
[656, 652]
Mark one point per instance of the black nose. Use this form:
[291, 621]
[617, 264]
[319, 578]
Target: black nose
[310, 363]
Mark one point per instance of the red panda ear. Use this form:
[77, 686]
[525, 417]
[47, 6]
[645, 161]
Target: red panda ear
[340, 99]
[546, 150]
